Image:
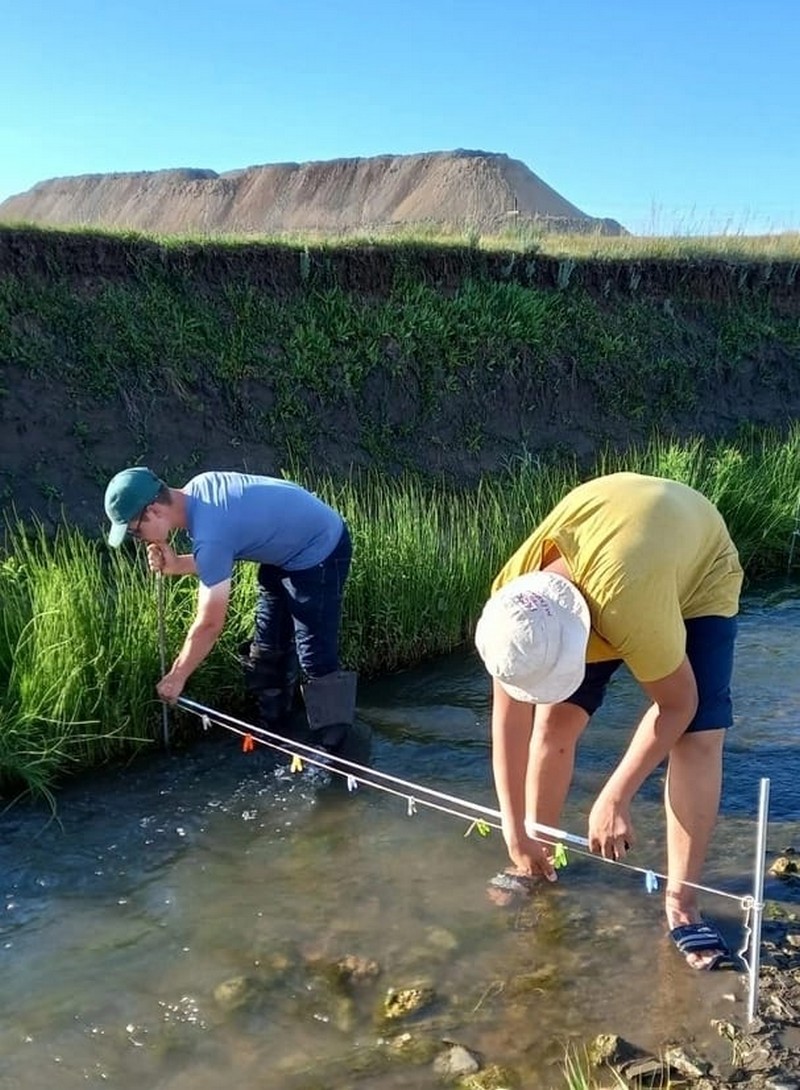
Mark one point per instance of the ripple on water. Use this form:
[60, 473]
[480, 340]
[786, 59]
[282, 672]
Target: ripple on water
[163, 881]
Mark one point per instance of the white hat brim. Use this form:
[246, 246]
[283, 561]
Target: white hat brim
[566, 675]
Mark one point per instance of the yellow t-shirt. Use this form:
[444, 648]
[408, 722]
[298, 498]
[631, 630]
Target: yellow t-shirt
[646, 553]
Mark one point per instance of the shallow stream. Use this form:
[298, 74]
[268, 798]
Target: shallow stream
[159, 882]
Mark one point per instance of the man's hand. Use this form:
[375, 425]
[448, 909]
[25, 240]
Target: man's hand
[170, 687]
[532, 857]
[610, 828]
[162, 558]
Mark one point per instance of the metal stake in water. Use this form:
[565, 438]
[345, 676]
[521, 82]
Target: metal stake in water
[758, 899]
[162, 650]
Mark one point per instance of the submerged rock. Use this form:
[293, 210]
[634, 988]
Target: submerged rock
[543, 979]
[344, 971]
[411, 1048]
[239, 991]
[650, 1072]
[786, 867]
[456, 1061]
[607, 1049]
[493, 1077]
[404, 1002]
[687, 1063]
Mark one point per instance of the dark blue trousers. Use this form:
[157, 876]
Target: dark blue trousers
[303, 609]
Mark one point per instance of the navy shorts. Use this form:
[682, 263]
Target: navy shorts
[709, 648]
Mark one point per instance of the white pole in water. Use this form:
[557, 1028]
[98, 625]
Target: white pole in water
[162, 650]
[758, 900]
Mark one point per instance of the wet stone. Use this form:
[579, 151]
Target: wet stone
[649, 1072]
[411, 1049]
[726, 1029]
[785, 866]
[539, 980]
[757, 1058]
[442, 939]
[404, 1002]
[357, 969]
[457, 1061]
[492, 1077]
[237, 992]
[684, 1061]
[608, 1048]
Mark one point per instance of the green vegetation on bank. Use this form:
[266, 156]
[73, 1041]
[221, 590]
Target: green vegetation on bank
[78, 622]
[428, 362]
[403, 355]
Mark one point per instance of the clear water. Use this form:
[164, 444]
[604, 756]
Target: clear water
[160, 881]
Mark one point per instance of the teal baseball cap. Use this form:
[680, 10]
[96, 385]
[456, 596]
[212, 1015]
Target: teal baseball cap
[127, 495]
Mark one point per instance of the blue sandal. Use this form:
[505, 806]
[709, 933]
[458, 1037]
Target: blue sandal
[704, 938]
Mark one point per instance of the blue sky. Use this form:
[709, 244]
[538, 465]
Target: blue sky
[669, 116]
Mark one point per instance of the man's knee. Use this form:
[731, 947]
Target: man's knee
[700, 746]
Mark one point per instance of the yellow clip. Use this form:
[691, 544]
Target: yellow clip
[296, 765]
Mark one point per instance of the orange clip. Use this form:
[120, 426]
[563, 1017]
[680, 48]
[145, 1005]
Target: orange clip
[247, 743]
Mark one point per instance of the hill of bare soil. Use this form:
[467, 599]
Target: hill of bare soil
[470, 190]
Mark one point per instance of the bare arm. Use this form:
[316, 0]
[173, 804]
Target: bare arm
[184, 565]
[674, 705]
[212, 607]
[512, 726]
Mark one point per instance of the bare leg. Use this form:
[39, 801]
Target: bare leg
[691, 800]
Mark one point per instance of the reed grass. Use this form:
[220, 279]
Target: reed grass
[78, 622]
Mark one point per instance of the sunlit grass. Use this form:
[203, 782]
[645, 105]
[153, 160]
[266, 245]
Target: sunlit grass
[79, 653]
[521, 235]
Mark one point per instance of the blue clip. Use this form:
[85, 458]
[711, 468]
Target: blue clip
[650, 881]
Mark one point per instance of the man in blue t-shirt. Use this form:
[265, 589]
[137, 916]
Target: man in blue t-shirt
[303, 551]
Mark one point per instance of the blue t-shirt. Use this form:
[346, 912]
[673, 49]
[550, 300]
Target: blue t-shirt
[239, 516]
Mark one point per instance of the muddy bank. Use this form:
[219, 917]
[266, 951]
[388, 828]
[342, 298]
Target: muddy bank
[446, 361]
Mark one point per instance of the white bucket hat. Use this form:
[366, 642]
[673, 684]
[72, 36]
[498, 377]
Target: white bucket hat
[532, 637]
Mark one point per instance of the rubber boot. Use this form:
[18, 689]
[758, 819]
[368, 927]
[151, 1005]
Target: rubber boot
[331, 708]
[271, 680]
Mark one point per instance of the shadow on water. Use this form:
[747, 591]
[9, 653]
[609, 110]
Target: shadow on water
[163, 881]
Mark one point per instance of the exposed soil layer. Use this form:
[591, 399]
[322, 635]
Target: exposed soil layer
[89, 381]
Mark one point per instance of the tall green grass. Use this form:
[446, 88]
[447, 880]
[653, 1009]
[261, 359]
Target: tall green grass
[78, 623]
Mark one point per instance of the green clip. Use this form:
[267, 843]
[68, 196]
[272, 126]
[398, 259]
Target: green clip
[560, 856]
[481, 827]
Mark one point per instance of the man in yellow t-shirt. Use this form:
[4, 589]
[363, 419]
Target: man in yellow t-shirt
[634, 569]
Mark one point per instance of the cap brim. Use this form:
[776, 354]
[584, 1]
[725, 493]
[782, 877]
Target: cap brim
[117, 534]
